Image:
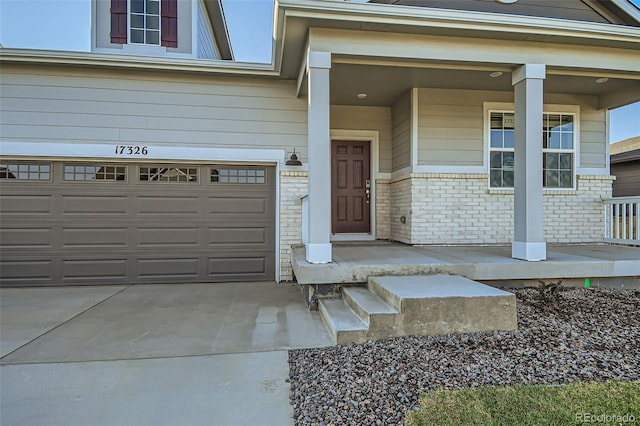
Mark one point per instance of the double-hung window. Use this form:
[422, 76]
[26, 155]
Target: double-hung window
[144, 22]
[558, 149]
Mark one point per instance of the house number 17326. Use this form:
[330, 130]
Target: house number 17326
[131, 150]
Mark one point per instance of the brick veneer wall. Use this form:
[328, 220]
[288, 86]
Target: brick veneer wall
[450, 208]
[293, 185]
[400, 191]
[383, 209]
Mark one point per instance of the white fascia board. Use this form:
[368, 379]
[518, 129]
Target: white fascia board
[456, 19]
[628, 8]
[214, 66]
[154, 152]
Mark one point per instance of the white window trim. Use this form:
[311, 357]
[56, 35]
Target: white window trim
[129, 43]
[547, 109]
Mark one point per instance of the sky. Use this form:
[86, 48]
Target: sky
[29, 24]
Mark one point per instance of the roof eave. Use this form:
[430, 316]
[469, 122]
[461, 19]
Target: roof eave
[91, 59]
[220, 29]
[456, 19]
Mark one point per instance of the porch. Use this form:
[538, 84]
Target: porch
[602, 264]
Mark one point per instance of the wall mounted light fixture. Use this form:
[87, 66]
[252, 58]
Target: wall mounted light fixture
[293, 160]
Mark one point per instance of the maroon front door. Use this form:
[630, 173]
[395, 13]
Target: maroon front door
[350, 187]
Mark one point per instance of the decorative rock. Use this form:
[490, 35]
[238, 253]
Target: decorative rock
[593, 336]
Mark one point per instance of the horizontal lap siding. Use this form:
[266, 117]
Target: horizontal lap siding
[401, 132]
[450, 124]
[627, 183]
[593, 137]
[367, 118]
[99, 107]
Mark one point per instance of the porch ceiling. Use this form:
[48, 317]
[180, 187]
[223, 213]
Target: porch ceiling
[384, 84]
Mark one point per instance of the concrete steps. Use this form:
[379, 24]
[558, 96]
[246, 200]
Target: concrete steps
[343, 324]
[417, 305]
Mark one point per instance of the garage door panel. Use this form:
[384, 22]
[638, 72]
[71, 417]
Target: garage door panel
[93, 237]
[167, 267]
[26, 270]
[29, 238]
[237, 265]
[94, 268]
[163, 205]
[27, 204]
[238, 236]
[168, 237]
[94, 205]
[237, 206]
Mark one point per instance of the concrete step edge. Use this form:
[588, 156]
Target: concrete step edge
[376, 286]
[366, 304]
[340, 318]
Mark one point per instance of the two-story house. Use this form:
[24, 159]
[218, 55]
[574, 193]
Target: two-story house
[424, 122]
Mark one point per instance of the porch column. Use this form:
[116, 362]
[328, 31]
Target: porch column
[528, 242]
[318, 244]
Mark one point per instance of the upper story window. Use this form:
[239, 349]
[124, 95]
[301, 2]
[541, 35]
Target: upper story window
[149, 22]
[558, 149]
[144, 22]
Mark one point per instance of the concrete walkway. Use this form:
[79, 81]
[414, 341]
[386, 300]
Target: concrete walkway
[194, 354]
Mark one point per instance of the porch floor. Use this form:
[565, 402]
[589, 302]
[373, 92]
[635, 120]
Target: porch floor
[356, 262]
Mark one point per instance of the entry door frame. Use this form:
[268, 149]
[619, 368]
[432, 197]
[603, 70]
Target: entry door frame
[372, 136]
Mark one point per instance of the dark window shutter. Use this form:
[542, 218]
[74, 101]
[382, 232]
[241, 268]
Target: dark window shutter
[119, 21]
[169, 19]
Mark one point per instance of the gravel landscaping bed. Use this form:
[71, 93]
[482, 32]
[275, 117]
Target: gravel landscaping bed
[590, 335]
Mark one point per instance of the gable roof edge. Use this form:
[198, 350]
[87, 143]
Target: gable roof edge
[220, 29]
[435, 17]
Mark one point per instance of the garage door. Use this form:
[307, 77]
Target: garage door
[102, 223]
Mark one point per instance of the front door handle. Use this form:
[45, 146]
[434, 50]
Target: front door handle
[368, 192]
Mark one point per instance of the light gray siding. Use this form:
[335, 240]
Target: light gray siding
[206, 45]
[88, 106]
[593, 137]
[367, 118]
[593, 128]
[451, 123]
[401, 132]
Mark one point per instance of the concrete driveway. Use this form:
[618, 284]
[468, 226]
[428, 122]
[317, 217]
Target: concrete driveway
[191, 354]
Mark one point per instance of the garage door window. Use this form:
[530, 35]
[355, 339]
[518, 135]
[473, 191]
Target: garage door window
[168, 174]
[251, 176]
[94, 172]
[26, 171]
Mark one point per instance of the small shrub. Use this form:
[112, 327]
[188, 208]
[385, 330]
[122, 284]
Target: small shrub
[549, 296]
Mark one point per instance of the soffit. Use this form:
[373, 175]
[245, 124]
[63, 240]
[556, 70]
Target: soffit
[384, 84]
